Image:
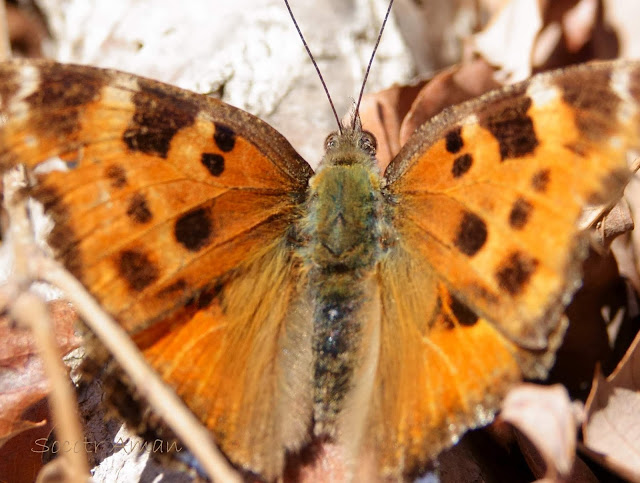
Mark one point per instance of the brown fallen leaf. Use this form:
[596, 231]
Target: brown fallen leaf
[627, 249]
[578, 22]
[547, 417]
[613, 223]
[382, 114]
[27, 30]
[450, 87]
[527, 36]
[508, 40]
[22, 380]
[612, 426]
[23, 388]
[587, 344]
[21, 457]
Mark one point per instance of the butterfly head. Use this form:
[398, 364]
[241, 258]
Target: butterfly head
[350, 145]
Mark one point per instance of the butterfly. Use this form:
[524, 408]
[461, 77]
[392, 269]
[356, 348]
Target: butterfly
[388, 312]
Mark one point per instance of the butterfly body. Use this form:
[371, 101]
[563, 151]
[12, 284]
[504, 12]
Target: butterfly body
[388, 312]
[344, 226]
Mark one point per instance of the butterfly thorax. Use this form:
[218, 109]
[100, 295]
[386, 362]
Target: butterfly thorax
[343, 225]
[344, 205]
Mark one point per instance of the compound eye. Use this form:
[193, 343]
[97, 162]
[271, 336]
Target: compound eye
[368, 143]
[331, 141]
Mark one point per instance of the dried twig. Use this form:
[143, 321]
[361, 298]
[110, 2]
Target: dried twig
[30, 311]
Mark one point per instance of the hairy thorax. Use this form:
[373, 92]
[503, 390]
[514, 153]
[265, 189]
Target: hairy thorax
[344, 217]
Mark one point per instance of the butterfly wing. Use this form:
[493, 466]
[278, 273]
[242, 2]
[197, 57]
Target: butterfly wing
[174, 210]
[486, 200]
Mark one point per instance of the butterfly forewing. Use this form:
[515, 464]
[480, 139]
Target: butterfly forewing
[158, 183]
[511, 173]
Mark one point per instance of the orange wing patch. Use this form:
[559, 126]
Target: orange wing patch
[487, 199]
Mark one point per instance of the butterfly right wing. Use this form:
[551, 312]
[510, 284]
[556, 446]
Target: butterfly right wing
[174, 210]
[485, 202]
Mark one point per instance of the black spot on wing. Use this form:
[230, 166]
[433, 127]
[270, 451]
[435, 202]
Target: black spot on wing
[472, 234]
[62, 239]
[116, 175]
[158, 117]
[193, 230]
[213, 162]
[224, 137]
[138, 209]
[207, 296]
[512, 127]
[453, 140]
[137, 269]
[463, 313]
[9, 84]
[63, 93]
[514, 274]
[446, 322]
[540, 180]
[461, 165]
[174, 289]
[595, 104]
[520, 212]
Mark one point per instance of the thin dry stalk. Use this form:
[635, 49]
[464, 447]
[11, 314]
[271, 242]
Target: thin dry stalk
[31, 312]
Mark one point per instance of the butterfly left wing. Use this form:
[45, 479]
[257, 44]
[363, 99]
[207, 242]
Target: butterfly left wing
[174, 210]
[485, 203]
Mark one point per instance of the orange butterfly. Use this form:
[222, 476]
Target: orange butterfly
[386, 312]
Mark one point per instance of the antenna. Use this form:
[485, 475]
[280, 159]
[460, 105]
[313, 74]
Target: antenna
[313, 61]
[373, 54]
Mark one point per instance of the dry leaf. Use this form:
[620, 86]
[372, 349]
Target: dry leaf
[382, 114]
[627, 250]
[612, 426]
[509, 39]
[586, 343]
[452, 86]
[578, 23]
[545, 415]
[22, 380]
[24, 414]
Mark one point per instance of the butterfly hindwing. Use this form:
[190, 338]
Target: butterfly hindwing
[174, 210]
[449, 375]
